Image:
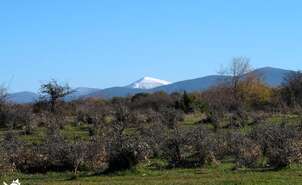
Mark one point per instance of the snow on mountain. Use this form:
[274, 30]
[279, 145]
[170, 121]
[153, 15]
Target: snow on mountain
[148, 83]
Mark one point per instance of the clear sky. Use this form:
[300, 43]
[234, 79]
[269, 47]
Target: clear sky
[104, 43]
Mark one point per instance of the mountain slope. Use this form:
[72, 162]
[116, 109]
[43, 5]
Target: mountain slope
[197, 84]
[80, 92]
[22, 97]
[115, 92]
[272, 76]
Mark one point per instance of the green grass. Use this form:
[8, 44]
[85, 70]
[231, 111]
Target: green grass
[71, 131]
[192, 119]
[37, 136]
[221, 175]
[288, 119]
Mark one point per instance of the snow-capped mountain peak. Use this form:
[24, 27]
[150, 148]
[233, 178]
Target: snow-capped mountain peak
[148, 83]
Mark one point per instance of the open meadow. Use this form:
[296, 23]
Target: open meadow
[222, 175]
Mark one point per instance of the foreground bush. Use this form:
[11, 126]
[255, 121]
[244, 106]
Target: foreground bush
[280, 144]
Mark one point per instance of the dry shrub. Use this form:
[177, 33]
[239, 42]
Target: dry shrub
[281, 144]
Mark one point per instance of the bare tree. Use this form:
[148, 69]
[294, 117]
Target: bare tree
[3, 94]
[239, 73]
[54, 91]
[238, 69]
[3, 107]
[176, 139]
[292, 89]
[77, 154]
[122, 119]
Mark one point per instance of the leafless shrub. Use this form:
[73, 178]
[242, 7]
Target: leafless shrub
[246, 151]
[291, 90]
[77, 153]
[97, 157]
[200, 141]
[152, 131]
[10, 147]
[281, 144]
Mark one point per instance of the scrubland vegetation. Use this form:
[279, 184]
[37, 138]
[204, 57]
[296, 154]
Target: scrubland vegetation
[238, 132]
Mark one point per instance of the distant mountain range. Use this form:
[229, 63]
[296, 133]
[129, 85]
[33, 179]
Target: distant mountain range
[271, 76]
[80, 92]
[22, 97]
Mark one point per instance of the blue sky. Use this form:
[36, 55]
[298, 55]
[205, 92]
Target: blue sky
[103, 43]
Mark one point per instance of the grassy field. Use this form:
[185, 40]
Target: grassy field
[220, 175]
[154, 172]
